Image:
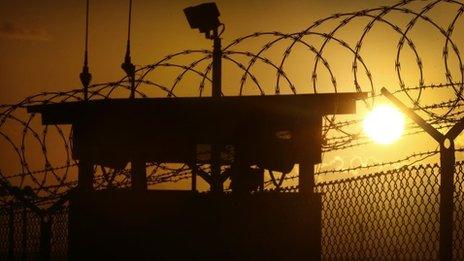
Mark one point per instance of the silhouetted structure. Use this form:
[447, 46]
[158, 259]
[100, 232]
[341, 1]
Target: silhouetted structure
[260, 132]
[399, 207]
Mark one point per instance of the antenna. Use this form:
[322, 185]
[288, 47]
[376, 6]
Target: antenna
[85, 75]
[127, 65]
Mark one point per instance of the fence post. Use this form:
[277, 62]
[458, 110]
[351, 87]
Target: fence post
[46, 222]
[11, 232]
[447, 169]
[24, 234]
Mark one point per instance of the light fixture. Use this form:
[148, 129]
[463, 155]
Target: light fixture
[204, 17]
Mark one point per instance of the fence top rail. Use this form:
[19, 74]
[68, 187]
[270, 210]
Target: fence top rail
[385, 173]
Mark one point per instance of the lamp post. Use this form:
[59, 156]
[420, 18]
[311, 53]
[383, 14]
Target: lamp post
[204, 17]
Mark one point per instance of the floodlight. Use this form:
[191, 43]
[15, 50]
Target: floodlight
[203, 17]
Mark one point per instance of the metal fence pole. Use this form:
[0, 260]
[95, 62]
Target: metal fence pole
[447, 169]
[46, 222]
[447, 162]
[11, 232]
[24, 234]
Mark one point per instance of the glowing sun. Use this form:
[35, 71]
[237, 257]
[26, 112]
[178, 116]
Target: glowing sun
[384, 124]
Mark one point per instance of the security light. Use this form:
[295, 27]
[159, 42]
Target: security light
[203, 17]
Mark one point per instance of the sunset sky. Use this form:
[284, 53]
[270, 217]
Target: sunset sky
[41, 46]
[120, 170]
[41, 42]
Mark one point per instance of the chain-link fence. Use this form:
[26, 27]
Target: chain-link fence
[458, 235]
[389, 215]
[20, 234]
[59, 238]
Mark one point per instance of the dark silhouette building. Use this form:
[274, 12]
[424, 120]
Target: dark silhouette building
[247, 223]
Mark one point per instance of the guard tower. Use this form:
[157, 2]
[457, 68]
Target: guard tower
[266, 132]
[254, 132]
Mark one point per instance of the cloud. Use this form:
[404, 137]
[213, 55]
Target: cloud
[11, 30]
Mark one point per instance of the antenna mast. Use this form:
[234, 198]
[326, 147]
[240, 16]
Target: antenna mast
[85, 75]
[127, 65]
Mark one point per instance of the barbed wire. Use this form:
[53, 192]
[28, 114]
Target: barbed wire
[380, 164]
[264, 63]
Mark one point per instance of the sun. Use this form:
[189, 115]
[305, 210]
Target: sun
[384, 124]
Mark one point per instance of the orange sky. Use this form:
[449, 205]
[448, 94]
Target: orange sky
[41, 42]
[41, 46]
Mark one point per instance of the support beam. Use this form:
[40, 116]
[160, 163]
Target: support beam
[306, 178]
[240, 173]
[194, 168]
[310, 128]
[436, 135]
[139, 175]
[85, 175]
